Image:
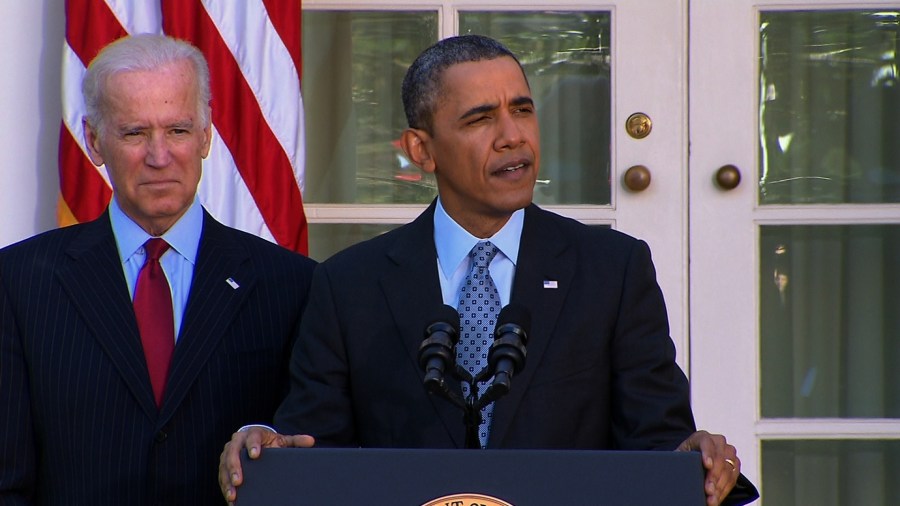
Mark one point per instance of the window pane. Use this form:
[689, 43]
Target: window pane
[830, 321]
[567, 59]
[353, 64]
[326, 239]
[829, 107]
[827, 473]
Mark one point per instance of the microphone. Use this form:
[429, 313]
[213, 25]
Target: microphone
[507, 355]
[437, 351]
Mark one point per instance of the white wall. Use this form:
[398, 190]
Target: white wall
[31, 38]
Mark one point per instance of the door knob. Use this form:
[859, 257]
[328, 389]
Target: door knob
[637, 178]
[638, 125]
[728, 177]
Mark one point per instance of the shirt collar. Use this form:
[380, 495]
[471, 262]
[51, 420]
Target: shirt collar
[453, 243]
[183, 236]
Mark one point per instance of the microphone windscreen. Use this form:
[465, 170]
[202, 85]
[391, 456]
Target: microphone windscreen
[446, 314]
[517, 314]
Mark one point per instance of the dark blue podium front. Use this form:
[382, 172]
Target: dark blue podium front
[358, 476]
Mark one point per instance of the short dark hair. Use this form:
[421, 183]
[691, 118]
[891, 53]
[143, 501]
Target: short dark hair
[422, 83]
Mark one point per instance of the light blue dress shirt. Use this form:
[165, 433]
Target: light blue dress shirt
[177, 262]
[453, 244]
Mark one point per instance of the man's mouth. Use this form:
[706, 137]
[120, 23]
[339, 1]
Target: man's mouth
[512, 168]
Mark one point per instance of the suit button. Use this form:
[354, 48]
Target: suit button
[161, 436]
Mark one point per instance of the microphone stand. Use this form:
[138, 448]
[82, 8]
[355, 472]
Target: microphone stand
[471, 405]
[474, 403]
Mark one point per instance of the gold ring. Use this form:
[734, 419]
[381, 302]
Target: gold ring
[733, 467]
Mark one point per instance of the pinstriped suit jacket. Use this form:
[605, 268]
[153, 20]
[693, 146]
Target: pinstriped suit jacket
[78, 423]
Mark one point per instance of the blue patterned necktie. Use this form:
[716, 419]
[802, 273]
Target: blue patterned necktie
[479, 305]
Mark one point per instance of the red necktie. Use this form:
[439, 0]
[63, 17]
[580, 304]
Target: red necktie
[153, 309]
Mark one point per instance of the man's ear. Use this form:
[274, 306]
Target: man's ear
[415, 144]
[92, 142]
[207, 141]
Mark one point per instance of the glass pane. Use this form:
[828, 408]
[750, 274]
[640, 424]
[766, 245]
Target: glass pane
[829, 107]
[567, 59]
[353, 64]
[326, 239]
[830, 321]
[831, 473]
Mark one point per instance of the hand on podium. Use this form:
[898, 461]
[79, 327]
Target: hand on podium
[720, 461]
[254, 438]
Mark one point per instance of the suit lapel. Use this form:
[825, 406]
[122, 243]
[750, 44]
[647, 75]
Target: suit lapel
[413, 293]
[211, 307]
[94, 280]
[544, 255]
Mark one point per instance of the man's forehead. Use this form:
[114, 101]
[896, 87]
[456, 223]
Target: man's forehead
[179, 71]
[477, 81]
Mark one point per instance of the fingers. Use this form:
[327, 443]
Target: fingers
[254, 439]
[729, 469]
[299, 441]
[720, 461]
[720, 480]
[230, 466]
[723, 467]
[230, 472]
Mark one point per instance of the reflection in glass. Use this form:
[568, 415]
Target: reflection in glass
[566, 56]
[830, 321]
[326, 239]
[831, 473]
[353, 64]
[829, 107]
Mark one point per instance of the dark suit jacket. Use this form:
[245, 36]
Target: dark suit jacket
[600, 370]
[78, 423]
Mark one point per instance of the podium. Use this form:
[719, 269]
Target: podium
[420, 477]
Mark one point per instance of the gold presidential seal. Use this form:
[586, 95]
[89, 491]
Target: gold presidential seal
[467, 500]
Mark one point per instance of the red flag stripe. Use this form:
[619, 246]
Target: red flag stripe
[93, 27]
[286, 18]
[82, 188]
[79, 180]
[260, 159]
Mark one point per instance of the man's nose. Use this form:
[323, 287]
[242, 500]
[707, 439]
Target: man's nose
[158, 153]
[509, 132]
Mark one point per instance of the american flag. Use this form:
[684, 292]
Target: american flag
[253, 178]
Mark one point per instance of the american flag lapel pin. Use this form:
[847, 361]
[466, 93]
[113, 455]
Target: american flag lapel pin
[232, 283]
[551, 284]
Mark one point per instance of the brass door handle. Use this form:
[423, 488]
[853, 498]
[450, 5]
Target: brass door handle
[637, 178]
[728, 177]
[638, 125]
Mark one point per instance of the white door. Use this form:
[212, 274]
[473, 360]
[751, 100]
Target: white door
[795, 337]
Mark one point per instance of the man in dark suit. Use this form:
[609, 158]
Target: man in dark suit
[600, 370]
[85, 417]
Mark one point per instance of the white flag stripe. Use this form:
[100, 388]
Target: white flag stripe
[225, 195]
[137, 16]
[73, 103]
[268, 69]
